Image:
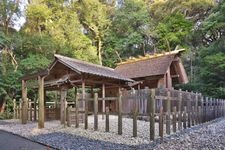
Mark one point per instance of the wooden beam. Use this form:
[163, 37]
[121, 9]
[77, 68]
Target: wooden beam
[24, 103]
[41, 109]
[103, 100]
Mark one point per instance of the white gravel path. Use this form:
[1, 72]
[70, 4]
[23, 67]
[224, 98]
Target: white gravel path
[57, 136]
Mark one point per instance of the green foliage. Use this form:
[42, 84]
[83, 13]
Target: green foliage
[90, 29]
[94, 18]
[6, 115]
[9, 13]
[172, 31]
[37, 16]
[129, 32]
[212, 69]
[59, 26]
[193, 9]
[34, 63]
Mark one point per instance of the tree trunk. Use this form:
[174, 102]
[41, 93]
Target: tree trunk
[3, 105]
[100, 50]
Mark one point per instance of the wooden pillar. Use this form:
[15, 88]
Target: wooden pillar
[63, 93]
[103, 101]
[85, 105]
[41, 109]
[24, 102]
[96, 111]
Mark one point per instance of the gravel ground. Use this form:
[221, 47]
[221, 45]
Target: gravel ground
[207, 136]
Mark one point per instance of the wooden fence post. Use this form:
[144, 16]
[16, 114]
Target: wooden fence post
[14, 109]
[185, 118]
[135, 114]
[107, 120]
[68, 112]
[193, 115]
[205, 108]
[220, 107]
[120, 113]
[17, 112]
[174, 119]
[161, 123]
[64, 113]
[196, 109]
[31, 112]
[202, 108]
[152, 113]
[35, 110]
[168, 112]
[223, 107]
[76, 112]
[20, 111]
[211, 109]
[216, 108]
[199, 114]
[189, 110]
[96, 111]
[179, 110]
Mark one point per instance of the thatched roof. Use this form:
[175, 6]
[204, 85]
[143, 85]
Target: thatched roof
[152, 65]
[89, 68]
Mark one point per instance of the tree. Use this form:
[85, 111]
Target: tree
[192, 9]
[129, 33]
[212, 54]
[172, 31]
[94, 18]
[60, 22]
[9, 13]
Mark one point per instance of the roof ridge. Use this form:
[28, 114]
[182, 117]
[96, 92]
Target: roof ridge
[81, 61]
[148, 57]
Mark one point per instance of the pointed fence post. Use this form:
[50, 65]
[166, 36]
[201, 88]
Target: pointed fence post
[152, 113]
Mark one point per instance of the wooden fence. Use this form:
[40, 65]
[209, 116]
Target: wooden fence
[52, 112]
[175, 109]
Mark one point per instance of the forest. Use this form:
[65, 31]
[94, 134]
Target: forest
[107, 32]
